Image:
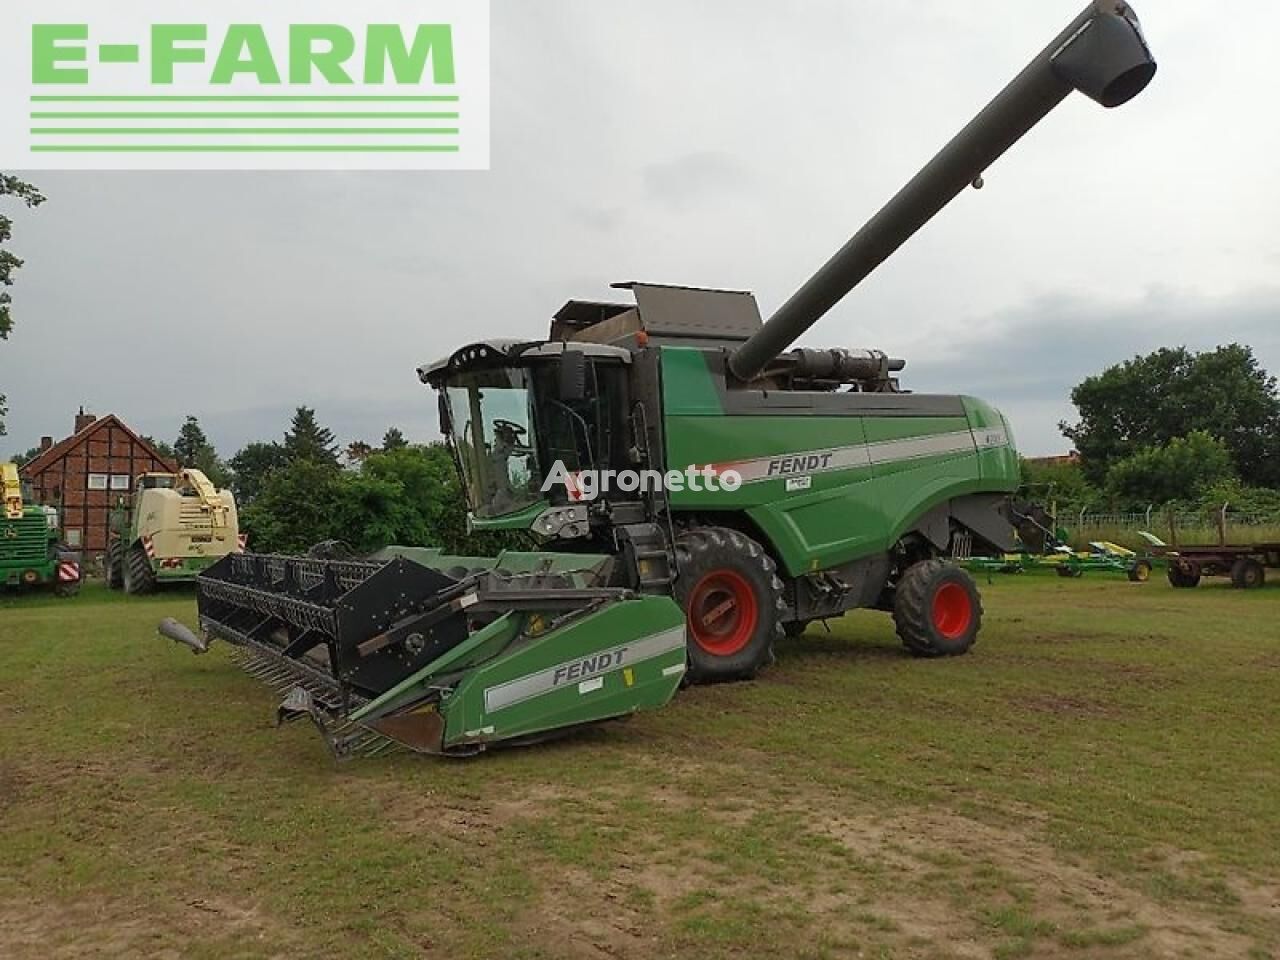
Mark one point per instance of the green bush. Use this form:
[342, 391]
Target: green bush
[409, 496]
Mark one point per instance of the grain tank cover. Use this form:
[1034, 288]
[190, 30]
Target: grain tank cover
[664, 314]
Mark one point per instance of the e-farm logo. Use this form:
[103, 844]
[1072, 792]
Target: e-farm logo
[244, 84]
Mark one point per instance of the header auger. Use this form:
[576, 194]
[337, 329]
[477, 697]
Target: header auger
[853, 493]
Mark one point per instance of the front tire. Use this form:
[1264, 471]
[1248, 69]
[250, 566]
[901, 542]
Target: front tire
[114, 573]
[1140, 572]
[66, 588]
[937, 610]
[139, 578]
[1181, 579]
[732, 598]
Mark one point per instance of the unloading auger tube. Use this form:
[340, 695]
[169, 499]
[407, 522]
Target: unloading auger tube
[1102, 54]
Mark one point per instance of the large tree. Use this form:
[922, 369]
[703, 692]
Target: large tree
[26, 194]
[252, 466]
[407, 496]
[307, 440]
[162, 447]
[1183, 470]
[193, 449]
[191, 440]
[1149, 401]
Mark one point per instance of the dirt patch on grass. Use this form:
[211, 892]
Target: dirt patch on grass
[42, 930]
[12, 783]
[1064, 705]
[1269, 660]
[463, 818]
[1027, 892]
[923, 884]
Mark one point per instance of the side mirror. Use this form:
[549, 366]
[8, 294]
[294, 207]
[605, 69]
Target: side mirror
[443, 406]
[573, 375]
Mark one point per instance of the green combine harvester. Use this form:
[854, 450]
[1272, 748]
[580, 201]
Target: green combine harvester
[799, 484]
[32, 555]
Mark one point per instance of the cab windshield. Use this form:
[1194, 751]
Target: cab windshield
[491, 422]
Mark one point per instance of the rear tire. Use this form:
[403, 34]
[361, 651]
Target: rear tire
[1182, 580]
[139, 578]
[732, 598]
[114, 572]
[937, 610]
[1247, 574]
[66, 588]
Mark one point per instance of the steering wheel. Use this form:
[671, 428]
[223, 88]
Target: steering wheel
[515, 428]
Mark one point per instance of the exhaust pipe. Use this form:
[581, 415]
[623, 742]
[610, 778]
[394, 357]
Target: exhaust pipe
[180, 633]
[1103, 54]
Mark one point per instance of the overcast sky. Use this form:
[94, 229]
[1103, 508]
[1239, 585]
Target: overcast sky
[717, 144]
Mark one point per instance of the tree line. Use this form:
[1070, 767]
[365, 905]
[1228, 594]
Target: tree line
[1175, 428]
[303, 489]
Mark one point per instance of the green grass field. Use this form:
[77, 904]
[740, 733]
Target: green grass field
[1100, 778]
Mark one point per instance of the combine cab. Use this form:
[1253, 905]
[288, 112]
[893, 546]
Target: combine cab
[850, 492]
[31, 555]
[174, 526]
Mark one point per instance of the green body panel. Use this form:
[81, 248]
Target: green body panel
[998, 465]
[842, 514]
[627, 656]
[523, 520]
[27, 545]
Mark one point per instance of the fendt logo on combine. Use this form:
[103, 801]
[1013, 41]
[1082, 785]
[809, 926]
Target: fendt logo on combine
[589, 667]
[790, 466]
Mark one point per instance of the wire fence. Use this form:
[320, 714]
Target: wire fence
[1159, 518]
[1211, 527]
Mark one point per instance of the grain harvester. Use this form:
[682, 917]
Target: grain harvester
[174, 526]
[31, 553]
[851, 492]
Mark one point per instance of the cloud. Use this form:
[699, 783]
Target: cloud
[709, 144]
[693, 178]
[1028, 358]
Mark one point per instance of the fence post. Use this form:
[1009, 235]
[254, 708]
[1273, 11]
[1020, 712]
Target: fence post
[1148, 523]
[1222, 524]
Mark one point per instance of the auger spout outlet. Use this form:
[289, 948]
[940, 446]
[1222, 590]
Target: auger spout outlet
[1102, 54]
[179, 632]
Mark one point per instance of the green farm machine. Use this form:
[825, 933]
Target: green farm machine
[32, 555]
[698, 489]
[172, 528]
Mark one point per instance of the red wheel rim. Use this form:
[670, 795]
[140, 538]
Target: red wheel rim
[952, 610]
[723, 613]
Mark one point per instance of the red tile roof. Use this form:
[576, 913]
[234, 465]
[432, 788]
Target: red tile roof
[63, 447]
